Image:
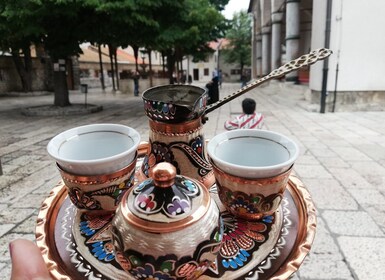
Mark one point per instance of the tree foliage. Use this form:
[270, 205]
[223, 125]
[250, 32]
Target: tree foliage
[176, 28]
[18, 31]
[239, 35]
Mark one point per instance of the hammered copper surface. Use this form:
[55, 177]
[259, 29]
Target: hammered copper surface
[250, 199]
[47, 219]
[163, 175]
[96, 179]
[175, 129]
[303, 239]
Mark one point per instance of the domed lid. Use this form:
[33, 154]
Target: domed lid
[166, 201]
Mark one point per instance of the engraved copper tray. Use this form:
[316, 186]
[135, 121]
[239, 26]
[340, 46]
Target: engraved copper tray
[78, 246]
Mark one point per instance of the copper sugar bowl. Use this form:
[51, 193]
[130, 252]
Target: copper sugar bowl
[167, 225]
[176, 115]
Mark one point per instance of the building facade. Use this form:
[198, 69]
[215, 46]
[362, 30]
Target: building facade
[352, 77]
[202, 70]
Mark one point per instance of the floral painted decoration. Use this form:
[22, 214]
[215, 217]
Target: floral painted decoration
[242, 203]
[172, 202]
[240, 240]
[194, 150]
[88, 201]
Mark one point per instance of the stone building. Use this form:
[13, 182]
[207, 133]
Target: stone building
[352, 77]
[10, 79]
[83, 69]
[202, 70]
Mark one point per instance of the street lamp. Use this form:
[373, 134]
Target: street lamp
[143, 56]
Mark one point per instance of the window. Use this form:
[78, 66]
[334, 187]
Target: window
[84, 73]
[206, 72]
[235, 71]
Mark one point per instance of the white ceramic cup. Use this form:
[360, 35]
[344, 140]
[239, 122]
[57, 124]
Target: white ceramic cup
[95, 149]
[252, 153]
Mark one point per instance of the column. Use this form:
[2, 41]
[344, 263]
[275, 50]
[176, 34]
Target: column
[266, 50]
[259, 54]
[254, 49]
[292, 35]
[276, 27]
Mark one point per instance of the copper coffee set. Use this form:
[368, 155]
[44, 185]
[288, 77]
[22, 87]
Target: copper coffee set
[169, 213]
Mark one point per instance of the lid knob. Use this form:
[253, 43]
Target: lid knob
[163, 174]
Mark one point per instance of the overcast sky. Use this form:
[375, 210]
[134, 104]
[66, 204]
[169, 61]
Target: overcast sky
[235, 6]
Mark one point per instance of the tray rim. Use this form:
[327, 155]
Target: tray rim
[307, 228]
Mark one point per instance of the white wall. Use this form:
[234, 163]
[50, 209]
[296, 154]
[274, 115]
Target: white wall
[317, 41]
[211, 64]
[362, 56]
[357, 42]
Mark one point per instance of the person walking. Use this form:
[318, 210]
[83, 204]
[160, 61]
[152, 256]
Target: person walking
[213, 90]
[243, 80]
[220, 78]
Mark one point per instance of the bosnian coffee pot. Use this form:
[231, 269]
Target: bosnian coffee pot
[176, 115]
[176, 120]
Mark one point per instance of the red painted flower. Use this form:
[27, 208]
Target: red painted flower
[239, 235]
[146, 202]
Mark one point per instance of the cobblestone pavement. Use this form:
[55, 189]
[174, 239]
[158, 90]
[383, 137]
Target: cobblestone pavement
[342, 163]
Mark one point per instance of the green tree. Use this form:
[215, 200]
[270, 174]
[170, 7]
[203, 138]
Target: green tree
[174, 27]
[18, 30]
[189, 30]
[239, 35]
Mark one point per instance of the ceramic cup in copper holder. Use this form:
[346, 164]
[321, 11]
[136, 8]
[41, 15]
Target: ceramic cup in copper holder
[99, 192]
[97, 163]
[251, 199]
[251, 169]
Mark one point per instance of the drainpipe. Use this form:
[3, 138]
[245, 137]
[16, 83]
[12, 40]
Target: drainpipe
[335, 89]
[326, 61]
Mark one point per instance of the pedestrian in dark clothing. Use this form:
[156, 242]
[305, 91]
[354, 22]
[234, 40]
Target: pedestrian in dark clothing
[213, 90]
[136, 83]
[183, 80]
[220, 78]
[243, 80]
[189, 79]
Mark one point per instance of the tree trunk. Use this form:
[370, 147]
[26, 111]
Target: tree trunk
[46, 61]
[136, 50]
[112, 67]
[24, 69]
[60, 86]
[170, 65]
[101, 68]
[116, 68]
[150, 66]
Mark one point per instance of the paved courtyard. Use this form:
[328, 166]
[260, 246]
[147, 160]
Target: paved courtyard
[342, 163]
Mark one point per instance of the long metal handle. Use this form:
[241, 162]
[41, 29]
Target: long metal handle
[288, 67]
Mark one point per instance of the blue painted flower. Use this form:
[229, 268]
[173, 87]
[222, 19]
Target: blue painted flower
[191, 186]
[85, 229]
[237, 261]
[268, 219]
[148, 273]
[103, 252]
